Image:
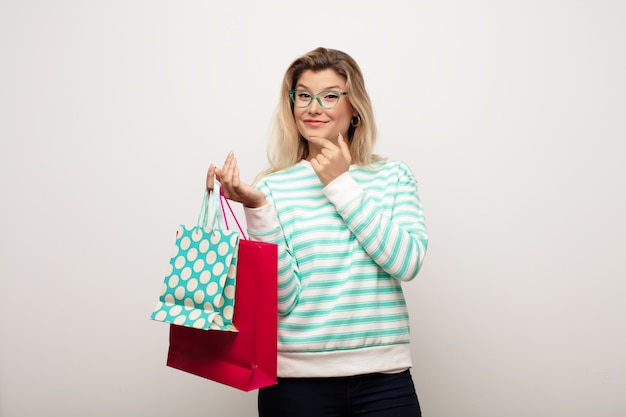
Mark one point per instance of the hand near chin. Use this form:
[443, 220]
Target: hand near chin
[332, 160]
[233, 188]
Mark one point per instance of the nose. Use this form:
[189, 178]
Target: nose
[315, 106]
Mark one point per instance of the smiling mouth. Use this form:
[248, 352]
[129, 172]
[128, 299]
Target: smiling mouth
[314, 122]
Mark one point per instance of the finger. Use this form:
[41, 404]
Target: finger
[231, 182]
[236, 177]
[315, 165]
[234, 181]
[320, 156]
[345, 150]
[225, 174]
[323, 142]
[331, 150]
[210, 177]
[227, 167]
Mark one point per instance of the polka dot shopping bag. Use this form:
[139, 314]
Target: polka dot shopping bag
[199, 287]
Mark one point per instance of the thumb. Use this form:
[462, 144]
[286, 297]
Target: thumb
[210, 177]
[345, 150]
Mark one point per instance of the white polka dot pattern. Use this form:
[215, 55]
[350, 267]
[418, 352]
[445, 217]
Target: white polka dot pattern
[199, 288]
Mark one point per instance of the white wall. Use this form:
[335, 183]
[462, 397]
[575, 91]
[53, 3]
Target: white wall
[511, 113]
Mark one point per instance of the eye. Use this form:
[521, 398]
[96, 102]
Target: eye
[331, 95]
[303, 95]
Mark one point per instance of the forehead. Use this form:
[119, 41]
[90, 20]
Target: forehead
[320, 80]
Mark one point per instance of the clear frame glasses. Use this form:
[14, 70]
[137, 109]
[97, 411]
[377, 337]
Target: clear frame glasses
[327, 98]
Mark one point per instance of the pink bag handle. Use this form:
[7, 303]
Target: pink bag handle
[222, 199]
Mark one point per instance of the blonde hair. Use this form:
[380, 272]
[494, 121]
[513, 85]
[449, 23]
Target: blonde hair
[289, 146]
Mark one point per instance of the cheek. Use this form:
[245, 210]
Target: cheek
[343, 118]
[297, 113]
[344, 113]
[297, 117]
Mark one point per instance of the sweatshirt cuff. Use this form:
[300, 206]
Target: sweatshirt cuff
[261, 219]
[342, 190]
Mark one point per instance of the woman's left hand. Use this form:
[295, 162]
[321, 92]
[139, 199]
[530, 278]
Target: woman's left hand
[332, 160]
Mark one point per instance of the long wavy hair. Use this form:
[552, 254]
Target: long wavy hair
[289, 146]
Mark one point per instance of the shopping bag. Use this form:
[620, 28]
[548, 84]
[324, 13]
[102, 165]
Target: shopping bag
[245, 360]
[199, 288]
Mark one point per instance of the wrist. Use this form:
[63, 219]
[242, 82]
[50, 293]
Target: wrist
[256, 204]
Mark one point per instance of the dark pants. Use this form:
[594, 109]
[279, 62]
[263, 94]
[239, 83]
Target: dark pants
[373, 395]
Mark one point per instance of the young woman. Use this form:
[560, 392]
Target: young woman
[350, 229]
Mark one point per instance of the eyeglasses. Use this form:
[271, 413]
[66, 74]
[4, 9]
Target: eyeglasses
[327, 98]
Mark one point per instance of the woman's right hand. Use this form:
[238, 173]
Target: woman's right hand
[233, 188]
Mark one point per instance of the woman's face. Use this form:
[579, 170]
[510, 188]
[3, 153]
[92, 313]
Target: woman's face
[315, 120]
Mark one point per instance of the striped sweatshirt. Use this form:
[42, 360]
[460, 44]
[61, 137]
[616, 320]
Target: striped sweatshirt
[343, 251]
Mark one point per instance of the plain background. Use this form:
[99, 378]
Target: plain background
[512, 115]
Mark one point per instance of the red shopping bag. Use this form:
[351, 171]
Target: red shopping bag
[245, 360]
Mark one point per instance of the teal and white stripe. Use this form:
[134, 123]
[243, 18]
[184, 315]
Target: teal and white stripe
[343, 252]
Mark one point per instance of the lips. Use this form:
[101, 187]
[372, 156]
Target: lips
[314, 123]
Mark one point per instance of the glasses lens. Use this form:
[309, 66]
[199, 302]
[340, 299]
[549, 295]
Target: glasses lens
[300, 98]
[329, 98]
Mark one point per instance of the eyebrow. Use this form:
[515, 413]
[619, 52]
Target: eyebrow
[334, 87]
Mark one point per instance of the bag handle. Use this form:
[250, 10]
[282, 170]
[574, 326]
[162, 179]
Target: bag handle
[222, 200]
[211, 215]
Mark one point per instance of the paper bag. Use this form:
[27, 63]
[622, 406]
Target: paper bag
[247, 359]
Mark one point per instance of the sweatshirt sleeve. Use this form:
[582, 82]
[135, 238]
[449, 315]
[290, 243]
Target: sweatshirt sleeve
[398, 243]
[263, 226]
